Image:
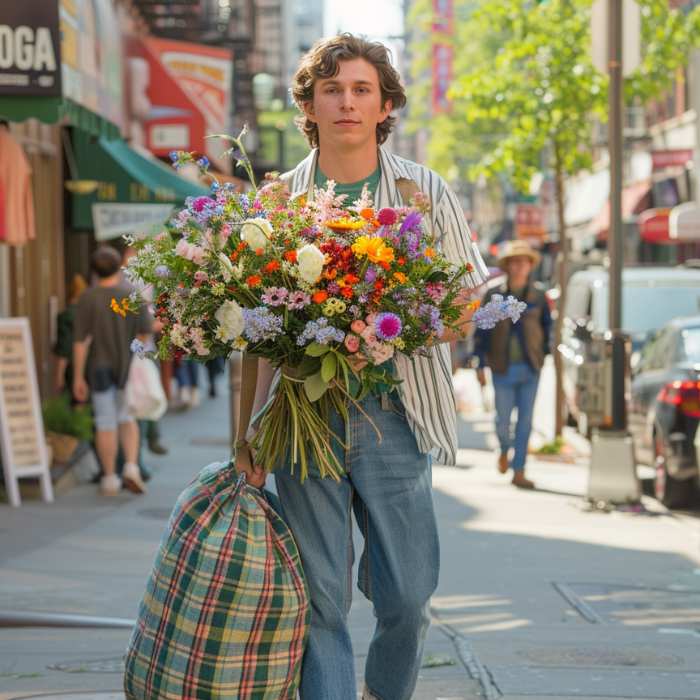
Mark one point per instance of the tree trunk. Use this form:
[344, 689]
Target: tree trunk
[562, 279]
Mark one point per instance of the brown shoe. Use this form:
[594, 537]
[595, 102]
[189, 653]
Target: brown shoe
[519, 481]
[503, 462]
[131, 478]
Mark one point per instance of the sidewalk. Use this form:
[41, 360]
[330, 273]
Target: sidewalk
[538, 598]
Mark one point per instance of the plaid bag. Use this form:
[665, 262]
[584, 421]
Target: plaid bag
[226, 609]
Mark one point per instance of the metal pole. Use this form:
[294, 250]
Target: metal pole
[615, 238]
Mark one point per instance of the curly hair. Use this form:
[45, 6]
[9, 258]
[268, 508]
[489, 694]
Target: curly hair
[322, 62]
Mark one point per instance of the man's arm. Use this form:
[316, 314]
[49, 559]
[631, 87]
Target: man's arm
[80, 353]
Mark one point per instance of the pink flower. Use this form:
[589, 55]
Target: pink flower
[371, 318]
[381, 352]
[357, 326]
[387, 217]
[200, 277]
[388, 326]
[352, 342]
[369, 336]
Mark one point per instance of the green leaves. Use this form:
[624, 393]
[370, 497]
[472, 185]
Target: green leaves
[316, 349]
[328, 367]
[315, 387]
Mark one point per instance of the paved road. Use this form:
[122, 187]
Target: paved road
[538, 597]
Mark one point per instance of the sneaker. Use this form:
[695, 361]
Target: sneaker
[110, 485]
[131, 475]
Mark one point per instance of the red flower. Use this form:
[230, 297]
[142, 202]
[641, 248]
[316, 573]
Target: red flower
[272, 266]
[320, 296]
[290, 256]
[253, 280]
[346, 292]
[387, 217]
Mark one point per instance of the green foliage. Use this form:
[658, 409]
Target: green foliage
[61, 417]
[525, 93]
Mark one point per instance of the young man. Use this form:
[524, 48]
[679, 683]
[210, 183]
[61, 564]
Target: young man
[347, 89]
[101, 358]
[515, 353]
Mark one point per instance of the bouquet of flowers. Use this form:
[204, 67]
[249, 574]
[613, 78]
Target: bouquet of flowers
[308, 285]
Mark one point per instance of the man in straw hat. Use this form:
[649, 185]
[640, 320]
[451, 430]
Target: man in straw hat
[515, 353]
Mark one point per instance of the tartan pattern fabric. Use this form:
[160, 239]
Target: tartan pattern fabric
[226, 609]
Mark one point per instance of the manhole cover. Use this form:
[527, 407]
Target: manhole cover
[211, 442]
[601, 657]
[155, 513]
[81, 695]
[113, 665]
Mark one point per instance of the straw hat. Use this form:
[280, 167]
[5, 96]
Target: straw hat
[517, 248]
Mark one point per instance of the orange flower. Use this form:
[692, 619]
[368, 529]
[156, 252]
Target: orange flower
[272, 266]
[384, 264]
[367, 214]
[400, 277]
[474, 305]
[234, 256]
[330, 274]
[320, 296]
[470, 267]
[253, 280]
[429, 252]
[290, 256]
[347, 292]
[114, 305]
[345, 224]
[401, 260]
[349, 279]
[241, 246]
[260, 251]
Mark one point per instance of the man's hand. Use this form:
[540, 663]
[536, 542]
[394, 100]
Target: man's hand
[81, 390]
[481, 376]
[255, 475]
[357, 362]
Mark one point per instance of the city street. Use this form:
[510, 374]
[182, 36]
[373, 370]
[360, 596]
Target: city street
[539, 597]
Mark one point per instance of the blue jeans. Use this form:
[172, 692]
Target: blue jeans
[388, 486]
[517, 388]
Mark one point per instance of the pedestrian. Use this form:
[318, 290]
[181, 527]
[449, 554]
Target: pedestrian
[63, 347]
[187, 376]
[215, 367]
[101, 358]
[347, 89]
[515, 354]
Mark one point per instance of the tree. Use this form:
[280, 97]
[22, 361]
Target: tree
[526, 95]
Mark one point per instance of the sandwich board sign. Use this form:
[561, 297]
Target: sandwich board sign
[22, 440]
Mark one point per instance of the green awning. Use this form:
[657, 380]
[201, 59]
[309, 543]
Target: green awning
[134, 195]
[51, 110]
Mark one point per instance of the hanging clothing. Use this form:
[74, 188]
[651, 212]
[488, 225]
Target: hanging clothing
[17, 226]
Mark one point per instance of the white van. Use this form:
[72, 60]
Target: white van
[651, 297]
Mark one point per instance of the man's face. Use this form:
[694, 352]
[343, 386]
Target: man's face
[347, 107]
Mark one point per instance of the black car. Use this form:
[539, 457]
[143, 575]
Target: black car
[665, 411]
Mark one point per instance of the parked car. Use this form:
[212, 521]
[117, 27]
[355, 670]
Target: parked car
[651, 297]
[664, 410]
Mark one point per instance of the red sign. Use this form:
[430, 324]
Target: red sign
[529, 221]
[653, 226]
[442, 77]
[443, 16]
[671, 158]
[180, 92]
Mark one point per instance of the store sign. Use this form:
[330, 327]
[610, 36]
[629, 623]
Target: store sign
[22, 439]
[660, 160]
[116, 220]
[30, 49]
[529, 221]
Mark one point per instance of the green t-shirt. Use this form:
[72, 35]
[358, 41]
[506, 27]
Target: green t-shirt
[353, 190]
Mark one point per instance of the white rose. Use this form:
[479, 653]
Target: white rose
[256, 232]
[230, 318]
[310, 262]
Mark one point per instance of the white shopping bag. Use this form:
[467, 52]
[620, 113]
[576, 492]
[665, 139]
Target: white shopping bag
[144, 392]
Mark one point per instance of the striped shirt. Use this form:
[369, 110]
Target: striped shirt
[426, 389]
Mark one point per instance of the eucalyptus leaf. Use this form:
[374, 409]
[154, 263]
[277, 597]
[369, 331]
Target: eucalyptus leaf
[316, 349]
[315, 387]
[328, 367]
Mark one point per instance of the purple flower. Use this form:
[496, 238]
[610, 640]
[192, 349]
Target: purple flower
[370, 275]
[411, 222]
[498, 309]
[200, 203]
[388, 326]
[333, 287]
[436, 291]
[274, 296]
[320, 331]
[162, 271]
[261, 324]
[298, 300]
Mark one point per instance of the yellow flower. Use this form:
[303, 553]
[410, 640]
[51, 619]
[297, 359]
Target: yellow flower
[334, 306]
[345, 224]
[399, 343]
[374, 248]
[429, 252]
[118, 308]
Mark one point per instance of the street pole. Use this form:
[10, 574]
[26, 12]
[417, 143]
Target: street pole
[613, 470]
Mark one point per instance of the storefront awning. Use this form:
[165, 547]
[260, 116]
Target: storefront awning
[635, 199]
[134, 194]
[684, 222]
[51, 110]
